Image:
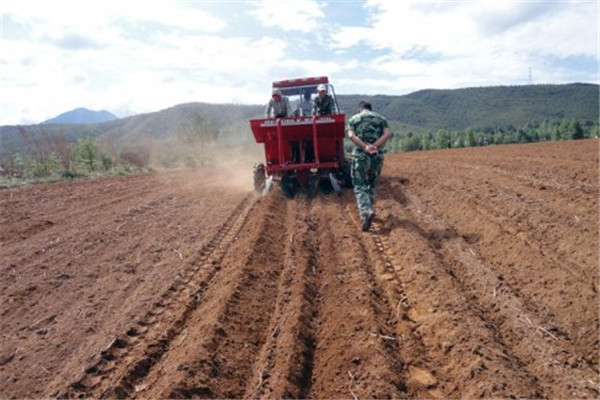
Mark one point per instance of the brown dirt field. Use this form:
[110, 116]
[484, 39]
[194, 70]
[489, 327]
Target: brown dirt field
[479, 278]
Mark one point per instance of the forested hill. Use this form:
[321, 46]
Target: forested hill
[484, 107]
[457, 109]
[159, 125]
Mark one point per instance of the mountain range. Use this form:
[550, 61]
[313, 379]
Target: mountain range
[483, 107]
[452, 109]
[82, 116]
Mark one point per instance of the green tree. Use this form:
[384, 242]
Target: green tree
[576, 130]
[442, 139]
[460, 139]
[522, 135]
[88, 152]
[544, 131]
[412, 143]
[471, 142]
[428, 143]
[555, 132]
[107, 162]
[564, 130]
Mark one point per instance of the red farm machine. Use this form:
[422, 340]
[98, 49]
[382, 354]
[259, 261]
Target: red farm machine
[302, 152]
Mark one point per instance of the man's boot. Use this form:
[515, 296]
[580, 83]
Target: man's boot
[367, 220]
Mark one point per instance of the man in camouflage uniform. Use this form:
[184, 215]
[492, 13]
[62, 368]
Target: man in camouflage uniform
[323, 104]
[278, 106]
[369, 131]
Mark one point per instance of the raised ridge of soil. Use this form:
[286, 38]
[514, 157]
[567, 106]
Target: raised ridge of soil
[479, 278]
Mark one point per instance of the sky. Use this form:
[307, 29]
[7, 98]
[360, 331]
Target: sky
[133, 57]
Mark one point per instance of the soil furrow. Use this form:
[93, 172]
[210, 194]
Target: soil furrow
[130, 356]
[225, 334]
[356, 350]
[420, 380]
[471, 360]
[515, 276]
[528, 208]
[478, 279]
[523, 277]
[284, 367]
[542, 348]
[516, 213]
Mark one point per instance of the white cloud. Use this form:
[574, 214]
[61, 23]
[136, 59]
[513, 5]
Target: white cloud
[135, 57]
[104, 65]
[88, 16]
[457, 27]
[456, 44]
[152, 75]
[297, 15]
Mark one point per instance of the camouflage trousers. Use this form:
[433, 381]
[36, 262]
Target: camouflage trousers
[365, 171]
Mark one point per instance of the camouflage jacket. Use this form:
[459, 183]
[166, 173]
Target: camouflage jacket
[323, 105]
[278, 109]
[368, 126]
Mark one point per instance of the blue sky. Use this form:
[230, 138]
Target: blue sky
[131, 57]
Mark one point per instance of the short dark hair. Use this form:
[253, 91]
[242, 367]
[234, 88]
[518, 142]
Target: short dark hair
[364, 105]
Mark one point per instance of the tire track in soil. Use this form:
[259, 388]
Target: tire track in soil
[130, 356]
[418, 366]
[420, 380]
[450, 295]
[462, 355]
[356, 351]
[540, 347]
[226, 334]
[284, 366]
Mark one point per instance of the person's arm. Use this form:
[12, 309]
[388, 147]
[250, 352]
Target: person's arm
[358, 142]
[387, 134]
[268, 110]
[367, 147]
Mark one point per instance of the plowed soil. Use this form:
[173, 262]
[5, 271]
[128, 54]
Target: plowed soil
[478, 278]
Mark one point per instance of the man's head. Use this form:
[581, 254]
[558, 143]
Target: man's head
[363, 105]
[321, 90]
[276, 94]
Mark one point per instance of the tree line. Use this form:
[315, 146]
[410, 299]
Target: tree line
[417, 139]
[50, 156]
[47, 156]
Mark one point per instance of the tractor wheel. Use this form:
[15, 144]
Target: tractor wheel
[288, 186]
[335, 184]
[313, 186]
[259, 177]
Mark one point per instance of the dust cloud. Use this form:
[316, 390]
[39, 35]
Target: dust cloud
[234, 168]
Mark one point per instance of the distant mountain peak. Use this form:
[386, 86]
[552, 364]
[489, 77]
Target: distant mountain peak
[82, 115]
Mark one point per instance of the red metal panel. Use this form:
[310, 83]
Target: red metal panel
[315, 140]
[301, 143]
[304, 166]
[279, 142]
[301, 82]
[324, 134]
